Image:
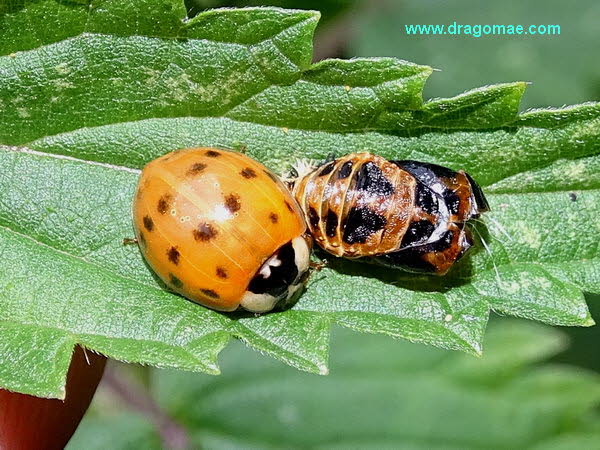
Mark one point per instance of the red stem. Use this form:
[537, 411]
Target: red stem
[28, 422]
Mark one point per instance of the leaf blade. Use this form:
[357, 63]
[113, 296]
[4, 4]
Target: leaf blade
[94, 108]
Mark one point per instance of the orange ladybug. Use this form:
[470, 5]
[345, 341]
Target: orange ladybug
[220, 229]
[404, 214]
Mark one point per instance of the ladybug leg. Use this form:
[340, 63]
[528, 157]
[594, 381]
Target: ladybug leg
[318, 266]
[130, 241]
[239, 147]
[312, 268]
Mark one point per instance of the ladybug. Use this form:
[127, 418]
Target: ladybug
[221, 229]
[403, 214]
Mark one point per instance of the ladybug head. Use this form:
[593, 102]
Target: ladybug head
[280, 277]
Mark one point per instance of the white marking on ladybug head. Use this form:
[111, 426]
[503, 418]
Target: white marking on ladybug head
[273, 261]
[258, 303]
[263, 301]
[302, 254]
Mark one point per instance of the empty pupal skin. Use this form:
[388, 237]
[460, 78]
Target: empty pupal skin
[403, 214]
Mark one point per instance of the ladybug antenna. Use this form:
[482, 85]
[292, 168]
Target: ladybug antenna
[318, 266]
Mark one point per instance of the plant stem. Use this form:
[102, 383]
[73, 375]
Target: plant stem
[137, 398]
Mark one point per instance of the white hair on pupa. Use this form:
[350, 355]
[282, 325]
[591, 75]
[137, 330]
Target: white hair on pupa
[300, 167]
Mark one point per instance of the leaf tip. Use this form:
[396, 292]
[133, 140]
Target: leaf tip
[61, 394]
[476, 349]
[589, 322]
[323, 369]
[211, 368]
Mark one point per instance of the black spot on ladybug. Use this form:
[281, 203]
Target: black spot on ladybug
[175, 282]
[248, 173]
[212, 154]
[173, 255]
[371, 179]
[326, 170]
[274, 218]
[209, 293]
[289, 206]
[361, 223]
[222, 272]
[313, 217]
[164, 203]
[331, 223]
[196, 168]
[573, 196]
[205, 232]
[345, 170]
[148, 223]
[232, 203]
[419, 230]
[426, 199]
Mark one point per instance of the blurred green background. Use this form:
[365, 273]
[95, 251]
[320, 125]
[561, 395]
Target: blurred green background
[536, 387]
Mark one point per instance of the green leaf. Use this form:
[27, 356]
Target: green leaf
[420, 398]
[26, 24]
[82, 110]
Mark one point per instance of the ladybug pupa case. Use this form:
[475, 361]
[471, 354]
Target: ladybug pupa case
[403, 214]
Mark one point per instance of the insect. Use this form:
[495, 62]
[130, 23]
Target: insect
[220, 229]
[403, 214]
